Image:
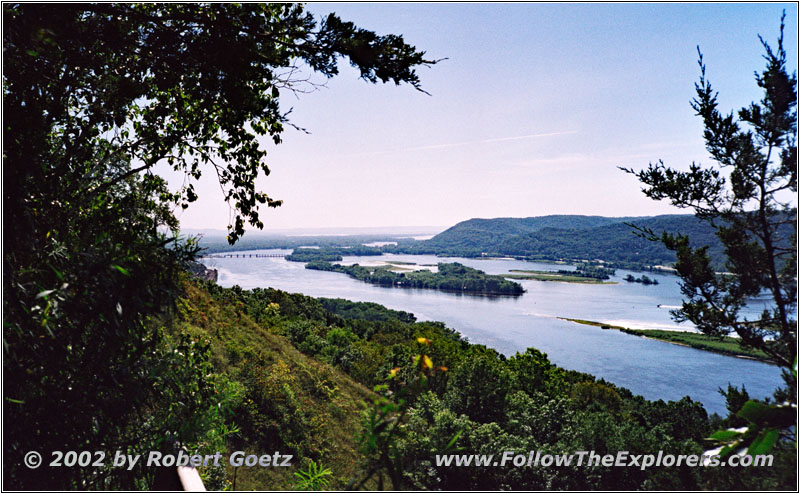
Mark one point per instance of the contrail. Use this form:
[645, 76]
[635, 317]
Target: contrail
[456, 144]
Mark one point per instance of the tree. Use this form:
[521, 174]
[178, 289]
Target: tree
[190, 84]
[94, 96]
[752, 210]
[479, 385]
[754, 213]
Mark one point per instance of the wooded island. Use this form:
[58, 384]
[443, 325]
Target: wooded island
[453, 277]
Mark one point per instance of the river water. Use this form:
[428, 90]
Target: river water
[654, 369]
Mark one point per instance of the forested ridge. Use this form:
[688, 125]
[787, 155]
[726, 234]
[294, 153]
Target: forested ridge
[574, 238]
[569, 237]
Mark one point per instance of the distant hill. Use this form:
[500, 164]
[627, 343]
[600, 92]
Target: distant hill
[491, 233]
[573, 237]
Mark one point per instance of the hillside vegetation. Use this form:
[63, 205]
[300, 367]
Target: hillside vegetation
[280, 399]
[296, 372]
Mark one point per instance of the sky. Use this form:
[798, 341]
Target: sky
[531, 113]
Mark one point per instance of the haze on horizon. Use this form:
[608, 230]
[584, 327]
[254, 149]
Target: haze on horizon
[531, 114]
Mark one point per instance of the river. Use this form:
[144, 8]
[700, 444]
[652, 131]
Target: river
[654, 369]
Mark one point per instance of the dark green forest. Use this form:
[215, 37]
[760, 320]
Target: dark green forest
[452, 277]
[331, 253]
[569, 237]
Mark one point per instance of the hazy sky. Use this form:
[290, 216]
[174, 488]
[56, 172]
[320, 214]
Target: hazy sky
[531, 113]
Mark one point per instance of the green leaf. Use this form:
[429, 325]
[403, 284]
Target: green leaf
[453, 441]
[754, 411]
[764, 442]
[727, 450]
[121, 269]
[725, 435]
[763, 414]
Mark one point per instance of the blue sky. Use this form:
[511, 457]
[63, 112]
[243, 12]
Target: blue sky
[531, 113]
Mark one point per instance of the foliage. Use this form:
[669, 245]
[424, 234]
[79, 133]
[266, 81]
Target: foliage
[313, 479]
[80, 335]
[449, 277]
[94, 97]
[725, 345]
[369, 311]
[308, 255]
[286, 401]
[89, 88]
[384, 423]
[591, 270]
[748, 208]
[478, 387]
[331, 253]
[489, 403]
[565, 237]
[644, 280]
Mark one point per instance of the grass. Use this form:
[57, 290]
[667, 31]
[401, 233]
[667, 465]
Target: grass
[530, 274]
[334, 415]
[398, 269]
[595, 323]
[725, 345]
[391, 267]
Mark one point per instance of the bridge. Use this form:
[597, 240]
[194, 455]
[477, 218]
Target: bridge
[243, 256]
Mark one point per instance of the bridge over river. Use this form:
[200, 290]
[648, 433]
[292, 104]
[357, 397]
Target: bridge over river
[222, 256]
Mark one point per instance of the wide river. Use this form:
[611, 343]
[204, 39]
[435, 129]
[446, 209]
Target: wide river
[654, 369]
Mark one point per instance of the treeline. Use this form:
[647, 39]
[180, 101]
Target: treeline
[331, 253]
[571, 238]
[574, 238]
[212, 243]
[644, 280]
[369, 311]
[589, 270]
[453, 277]
[489, 403]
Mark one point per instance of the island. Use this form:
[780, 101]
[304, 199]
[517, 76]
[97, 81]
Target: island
[583, 273]
[304, 254]
[725, 345]
[309, 255]
[451, 277]
[644, 280]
